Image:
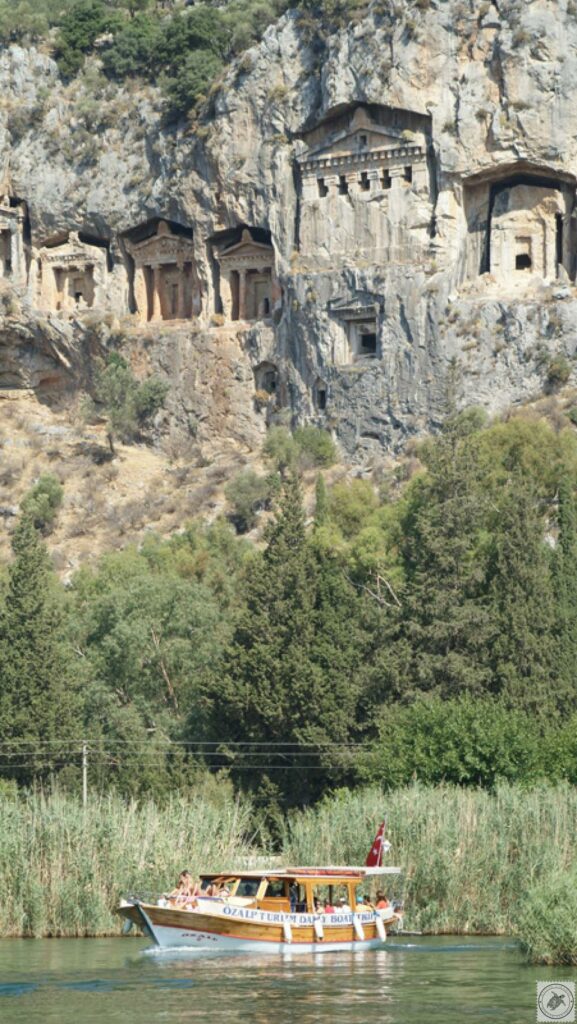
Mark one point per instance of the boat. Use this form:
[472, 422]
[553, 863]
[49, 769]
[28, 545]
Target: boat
[272, 911]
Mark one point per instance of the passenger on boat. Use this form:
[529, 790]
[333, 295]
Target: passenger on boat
[319, 907]
[368, 902]
[293, 896]
[183, 891]
[329, 909]
[382, 901]
[342, 906]
[360, 904]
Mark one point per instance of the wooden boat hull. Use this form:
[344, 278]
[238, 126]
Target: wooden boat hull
[236, 929]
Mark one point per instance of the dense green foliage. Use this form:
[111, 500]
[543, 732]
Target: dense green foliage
[39, 700]
[129, 404]
[42, 503]
[183, 47]
[429, 630]
[546, 916]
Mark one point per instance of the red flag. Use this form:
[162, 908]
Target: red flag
[375, 857]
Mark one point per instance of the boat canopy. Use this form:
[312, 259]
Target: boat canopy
[324, 875]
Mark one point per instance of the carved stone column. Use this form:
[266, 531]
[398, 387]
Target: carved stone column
[181, 297]
[397, 175]
[156, 289]
[17, 254]
[242, 309]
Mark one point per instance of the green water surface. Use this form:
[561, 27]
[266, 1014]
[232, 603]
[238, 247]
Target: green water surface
[414, 981]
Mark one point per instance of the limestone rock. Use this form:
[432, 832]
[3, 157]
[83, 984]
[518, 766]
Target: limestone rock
[414, 176]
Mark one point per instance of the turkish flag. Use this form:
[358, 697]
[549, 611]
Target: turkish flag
[375, 857]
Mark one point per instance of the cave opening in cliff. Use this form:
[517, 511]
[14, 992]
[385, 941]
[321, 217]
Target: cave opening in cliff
[266, 378]
[363, 339]
[320, 395]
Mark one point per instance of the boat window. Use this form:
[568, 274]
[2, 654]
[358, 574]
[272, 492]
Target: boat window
[275, 889]
[248, 887]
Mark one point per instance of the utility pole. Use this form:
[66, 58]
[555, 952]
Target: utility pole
[84, 773]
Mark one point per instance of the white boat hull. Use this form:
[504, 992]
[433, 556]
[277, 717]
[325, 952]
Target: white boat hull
[237, 929]
[171, 938]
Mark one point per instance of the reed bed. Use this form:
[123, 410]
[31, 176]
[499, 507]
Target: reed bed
[470, 857]
[62, 868]
[478, 862]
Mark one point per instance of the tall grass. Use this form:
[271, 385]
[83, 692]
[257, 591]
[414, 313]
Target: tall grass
[473, 861]
[63, 868]
[547, 920]
[468, 856]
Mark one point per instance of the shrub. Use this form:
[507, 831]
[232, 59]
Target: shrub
[42, 503]
[128, 404]
[193, 78]
[149, 397]
[315, 446]
[79, 29]
[134, 49]
[350, 505]
[558, 372]
[546, 920]
[247, 494]
[280, 448]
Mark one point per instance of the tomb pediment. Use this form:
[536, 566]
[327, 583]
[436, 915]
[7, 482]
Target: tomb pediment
[73, 251]
[361, 308]
[162, 247]
[247, 251]
[359, 143]
[360, 140]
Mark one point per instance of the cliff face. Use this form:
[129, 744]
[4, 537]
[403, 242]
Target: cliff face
[414, 174]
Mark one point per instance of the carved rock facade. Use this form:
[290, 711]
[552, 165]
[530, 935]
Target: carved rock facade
[363, 216]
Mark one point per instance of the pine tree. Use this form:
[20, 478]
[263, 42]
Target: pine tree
[565, 585]
[447, 626]
[289, 671]
[321, 501]
[37, 699]
[523, 652]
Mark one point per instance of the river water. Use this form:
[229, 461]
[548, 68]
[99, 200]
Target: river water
[413, 981]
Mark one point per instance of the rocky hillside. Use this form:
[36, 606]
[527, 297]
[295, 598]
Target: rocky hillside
[403, 186]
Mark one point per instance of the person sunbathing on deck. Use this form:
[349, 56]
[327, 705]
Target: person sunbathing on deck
[183, 891]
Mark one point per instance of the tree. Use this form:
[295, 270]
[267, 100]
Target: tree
[247, 494]
[565, 585]
[447, 623]
[520, 585]
[41, 504]
[38, 698]
[129, 405]
[321, 501]
[289, 674]
[79, 28]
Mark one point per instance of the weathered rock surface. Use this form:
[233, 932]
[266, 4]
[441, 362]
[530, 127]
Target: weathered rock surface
[488, 95]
